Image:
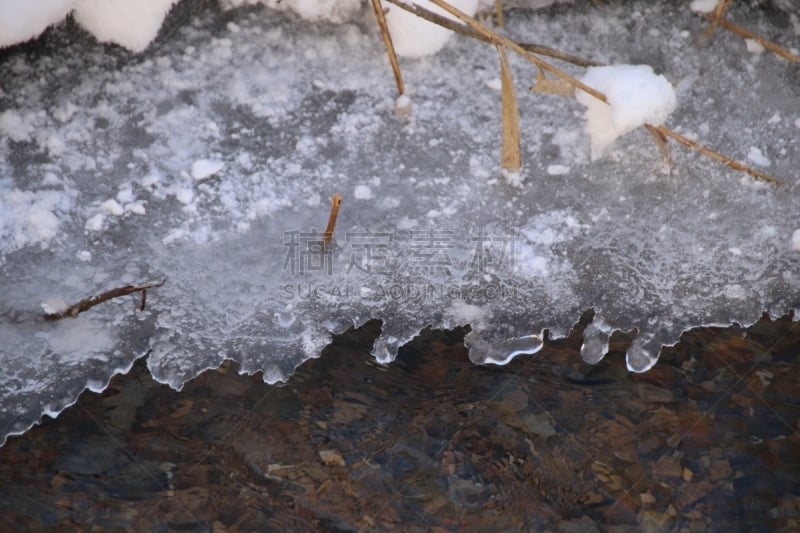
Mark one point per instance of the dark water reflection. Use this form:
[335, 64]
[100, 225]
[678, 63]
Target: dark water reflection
[707, 440]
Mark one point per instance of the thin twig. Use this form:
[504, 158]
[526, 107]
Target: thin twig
[87, 303]
[716, 16]
[694, 145]
[457, 27]
[336, 202]
[387, 40]
[766, 43]
[496, 38]
[661, 142]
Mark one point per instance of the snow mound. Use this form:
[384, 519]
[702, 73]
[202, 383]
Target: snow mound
[636, 96]
[416, 37]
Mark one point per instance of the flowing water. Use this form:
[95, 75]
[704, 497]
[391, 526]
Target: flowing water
[707, 440]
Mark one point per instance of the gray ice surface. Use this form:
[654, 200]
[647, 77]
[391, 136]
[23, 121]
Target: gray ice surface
[97, 191]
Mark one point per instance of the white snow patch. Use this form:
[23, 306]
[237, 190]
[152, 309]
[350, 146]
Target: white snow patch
[494, 84]
[557, 170]
[184, 196]
[21, 20]
[130, 24]
[703, 6]
[95, 223]
[756, 156]
[796, 240]
[636, 96]
[205, 168]
[753, 46]
[362, 192]
[413, 36]
[112, 207]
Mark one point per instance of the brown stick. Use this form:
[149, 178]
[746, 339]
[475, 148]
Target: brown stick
[694, 145]
[457, 27]
[496, 38]
[336, 202]
[387, 41]
[498, 11]
[716, 16]
[87, 303]
[661, 142]
[769, 45]
[510, 159]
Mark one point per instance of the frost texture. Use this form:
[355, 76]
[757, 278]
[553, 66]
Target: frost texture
[210, 159]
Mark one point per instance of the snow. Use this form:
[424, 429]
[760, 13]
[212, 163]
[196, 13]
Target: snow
[755, 155]
[753, 46]
[703, 6]
[205, 168]
[130, 24]
[113, 207]
[796, 240]
[21, 20]
[636, 96]
[413, 36]
[98, 188]
[557, 170]
[363, 192]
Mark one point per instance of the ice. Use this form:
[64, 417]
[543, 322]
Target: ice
[429, 234]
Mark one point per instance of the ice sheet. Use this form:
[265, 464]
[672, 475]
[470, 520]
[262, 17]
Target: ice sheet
[209, 161]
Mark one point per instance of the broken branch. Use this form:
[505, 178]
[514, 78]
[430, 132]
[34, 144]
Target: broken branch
[87, 303]
[336, 202]
[747, 34]
[694, 145]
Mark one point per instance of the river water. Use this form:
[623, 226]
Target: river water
[706, 440]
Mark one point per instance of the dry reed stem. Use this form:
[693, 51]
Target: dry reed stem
[511, 158]
[659, 133]
[496, 39]
[661, 141]
[716, 16]
[498, 13]
[769, 45]
[457, 27]
[387, 40]
[694, 145]
[87, 303]
[336, 202]
[542, 84]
